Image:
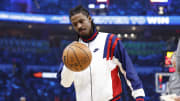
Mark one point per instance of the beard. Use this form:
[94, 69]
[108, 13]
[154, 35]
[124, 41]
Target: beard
[85, 35]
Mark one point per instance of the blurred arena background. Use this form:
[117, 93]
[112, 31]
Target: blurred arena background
[33, 34]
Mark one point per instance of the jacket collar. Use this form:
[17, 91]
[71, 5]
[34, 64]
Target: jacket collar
[91, 38]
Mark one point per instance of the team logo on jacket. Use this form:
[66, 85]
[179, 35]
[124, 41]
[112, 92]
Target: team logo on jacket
[95, 50]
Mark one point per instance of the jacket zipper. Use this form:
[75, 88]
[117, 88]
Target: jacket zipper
[91, 79]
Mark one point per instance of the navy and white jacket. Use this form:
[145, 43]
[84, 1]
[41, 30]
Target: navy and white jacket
[110, 76]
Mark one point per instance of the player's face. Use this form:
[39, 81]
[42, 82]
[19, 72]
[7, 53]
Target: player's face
[82, 24]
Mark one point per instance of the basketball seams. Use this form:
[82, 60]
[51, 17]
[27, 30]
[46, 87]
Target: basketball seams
[64, 57]
[75, 56]
[83, 51]
[67, 56]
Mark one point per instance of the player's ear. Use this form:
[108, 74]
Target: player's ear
[90, 19]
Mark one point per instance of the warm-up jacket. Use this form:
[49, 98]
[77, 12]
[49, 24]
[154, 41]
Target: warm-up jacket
[110, 76]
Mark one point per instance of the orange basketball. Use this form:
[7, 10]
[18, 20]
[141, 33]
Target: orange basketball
[77, 56]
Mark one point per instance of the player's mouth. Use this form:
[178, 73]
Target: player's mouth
[82, 31]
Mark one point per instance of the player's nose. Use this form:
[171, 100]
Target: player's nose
[79, 25]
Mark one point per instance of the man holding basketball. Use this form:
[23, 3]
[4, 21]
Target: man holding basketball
[111, 75]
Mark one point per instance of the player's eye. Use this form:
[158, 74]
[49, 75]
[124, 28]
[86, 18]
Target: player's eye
[74, 24]
[81, 21]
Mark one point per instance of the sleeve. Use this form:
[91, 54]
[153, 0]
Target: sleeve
[65, 76]
[178, 57]
[128, 70]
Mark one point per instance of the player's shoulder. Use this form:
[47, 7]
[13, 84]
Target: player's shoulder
[103, 33]
[107, 34]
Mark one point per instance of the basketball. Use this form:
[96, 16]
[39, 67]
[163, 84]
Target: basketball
[77, 56]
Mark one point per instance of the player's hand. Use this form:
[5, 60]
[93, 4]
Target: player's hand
[177, 98]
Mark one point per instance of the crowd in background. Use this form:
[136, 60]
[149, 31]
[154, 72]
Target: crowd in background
[61, 7]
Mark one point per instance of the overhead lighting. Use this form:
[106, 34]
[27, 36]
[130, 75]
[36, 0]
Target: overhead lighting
[125, 35]
[161, 10]
[133, 28]
[70, 27]
[98, 28]
[119, 35]
[29, 26]
[102, 6]
[91, 5]
[132, 35]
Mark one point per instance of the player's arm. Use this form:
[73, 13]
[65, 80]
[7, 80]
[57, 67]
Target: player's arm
[65, 76]
[130, 74]
[178, 57]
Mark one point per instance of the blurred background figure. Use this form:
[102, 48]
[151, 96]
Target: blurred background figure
[172, 89]
[173, 85]
[178, 68]
[178, 57]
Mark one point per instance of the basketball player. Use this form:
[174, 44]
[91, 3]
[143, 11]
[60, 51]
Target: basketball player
[111, 75]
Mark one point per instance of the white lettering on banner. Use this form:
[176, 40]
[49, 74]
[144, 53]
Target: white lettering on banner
[121, 20]
[3, 16]
[116, 20]
[56, 18]
[35, 18]
[138, 20]
[110, 20]
[22, 17]
[27, 18]
[60, 19]
[15, 17]
[158, 20]
[97, 20]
